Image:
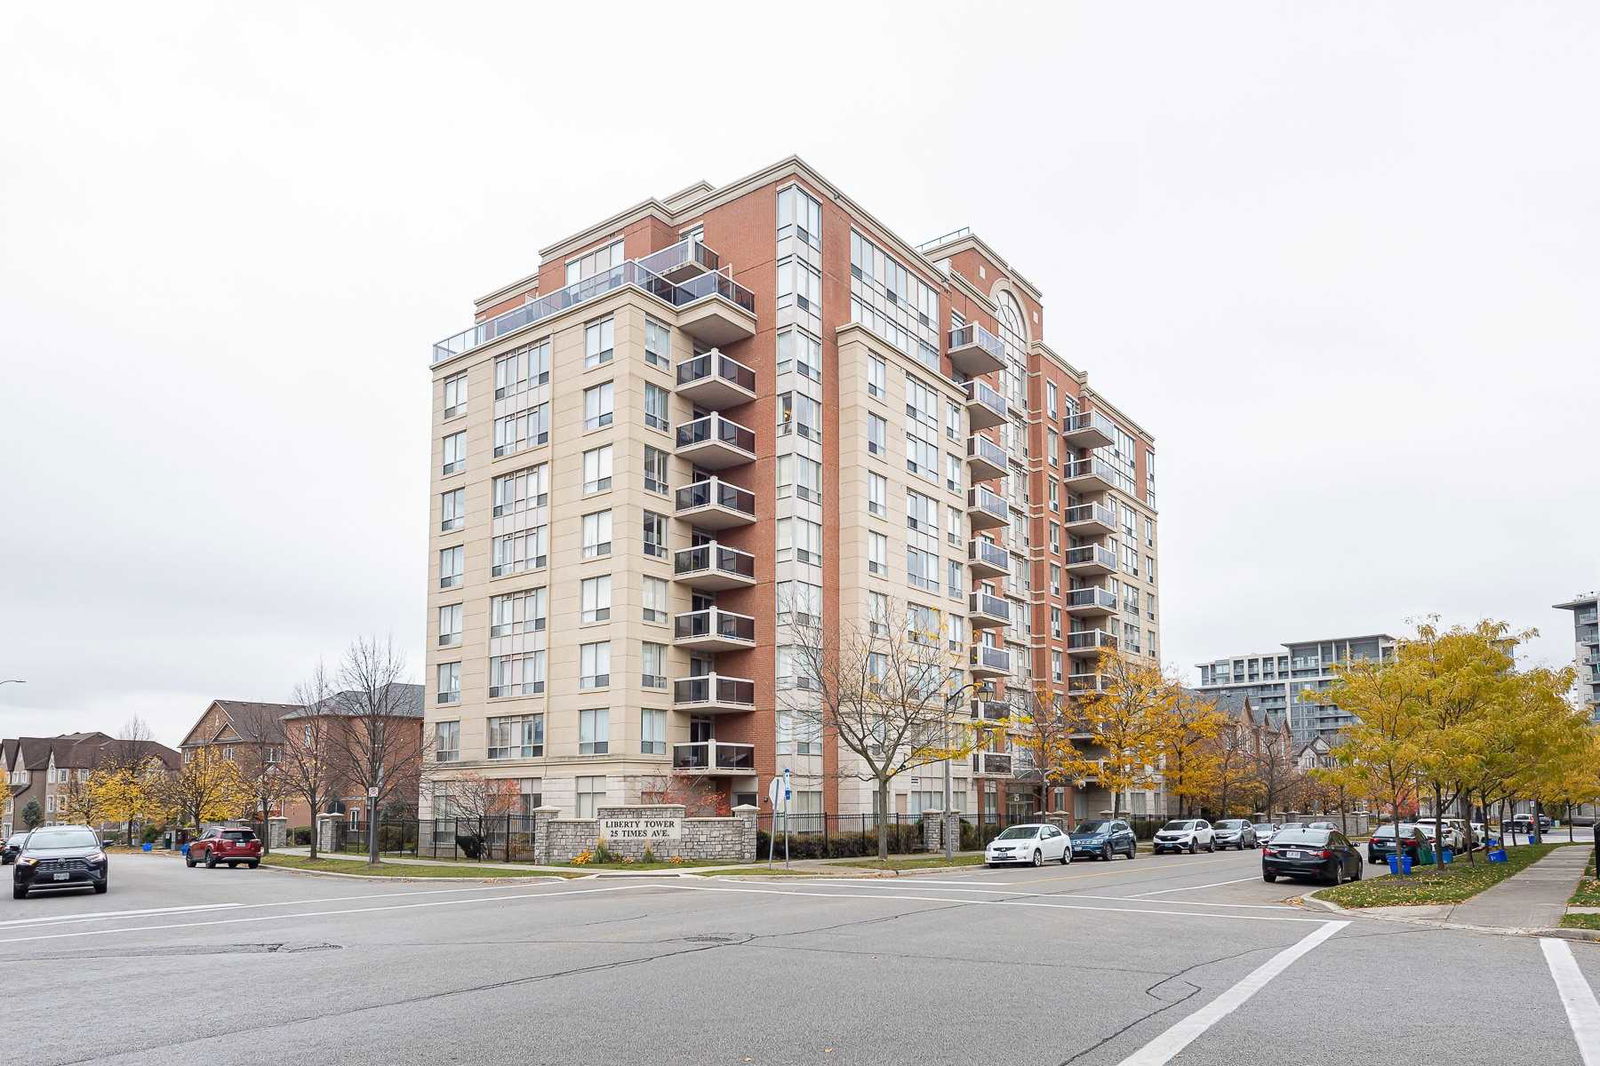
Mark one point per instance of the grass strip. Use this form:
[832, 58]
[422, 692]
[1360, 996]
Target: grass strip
[1458, 881]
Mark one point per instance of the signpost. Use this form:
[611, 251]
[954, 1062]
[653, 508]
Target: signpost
[779, 793]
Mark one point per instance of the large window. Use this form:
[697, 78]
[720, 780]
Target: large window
[596, 599]
[516, 492]
[653, 668]
[877, 376]
[800, 352]
[799, 216]
[521, 674]
[598, 342]
[877, 435]
[799, 414]
[455, 394]
[893, 302]
[655, 470]
[655, 535]
[800, 539]
[596, 534]
[517, 612]
[800, 476]
[597, 469]
[514, 553]
[653, 732]
[655, 407]
[599, 405]
[596, 262]
[451, 561]
[877, 495]
[877, 554]
[517, 736]
[657, 344]
[446, 741]
[452, 510]
[526, 368]
[594, 665]
[454, 453]
[799, 602]
[449, 689]
[654, 591]
[591, 793]
[525, 429]
[594, 728]
[450, 625]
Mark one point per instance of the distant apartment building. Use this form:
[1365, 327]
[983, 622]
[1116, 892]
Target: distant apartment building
[44, 770]
[714, 417]
[1586, 647]
[1276, 681]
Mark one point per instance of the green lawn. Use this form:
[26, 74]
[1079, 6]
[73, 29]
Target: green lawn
[1588, 894]
[1580, 921]
[1460, 880]
[361, 869]
[915, 862]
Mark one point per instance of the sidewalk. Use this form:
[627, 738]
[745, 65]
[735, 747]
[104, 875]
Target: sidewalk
[814, 866]
[1536, 898]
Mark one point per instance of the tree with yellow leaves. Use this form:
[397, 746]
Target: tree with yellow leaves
[129, 791]
[1188, 730]
[1048, 730]
[207, 788]
[1126, 720]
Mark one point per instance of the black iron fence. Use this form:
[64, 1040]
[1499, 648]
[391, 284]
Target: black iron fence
[498, 838]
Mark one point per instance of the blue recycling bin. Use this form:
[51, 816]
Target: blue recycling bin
[1448, 855]
[1394, 864]
[1405, 864]
[1497, 855]
[147, 847]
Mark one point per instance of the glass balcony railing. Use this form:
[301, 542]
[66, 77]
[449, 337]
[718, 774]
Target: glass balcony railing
[724, 625]
[713, 557]
[1103, 599]
[1088, 429]
[714, 366]
[983, 450]
[714, 492]
[714, 427]
[979, 393]
[992, 504]
[993, 606]
[1097, 470]
[1093, 556]
[1096, 513]
[986, 658]
[712, 690]
[681, 259]
[714, 756]
[990, 710]
[1090, 640]
[974, 350]
[989, 554]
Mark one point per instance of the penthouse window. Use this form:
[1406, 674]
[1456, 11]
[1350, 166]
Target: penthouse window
[893, 302]
[596, 262]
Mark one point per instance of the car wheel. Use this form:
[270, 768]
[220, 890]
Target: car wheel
[1335, 875]
[1038, 857]
[1133, 850]
[253, 863]
[188, 860]
[211, 859]
[1269, 878]
[1211, 846]
[101, 887]
[1357, 877]
[1191, 847]
[19, 892]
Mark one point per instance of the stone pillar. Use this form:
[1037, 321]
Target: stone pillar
[277, 833]
[932, 830]
[330, 832]
[747, 816]
[952, 829]
[542, 817]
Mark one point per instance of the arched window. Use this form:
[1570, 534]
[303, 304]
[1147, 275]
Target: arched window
[1011, 319]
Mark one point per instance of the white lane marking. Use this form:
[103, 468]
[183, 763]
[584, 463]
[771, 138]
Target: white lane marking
[1583, 1013]
[1036, 902]
[319, 914]
[1162, 1049]
[84, 916]
[1193, 888]
[962, 886]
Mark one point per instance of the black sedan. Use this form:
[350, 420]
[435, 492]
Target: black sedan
[1325, 854]
[8, 853]
[60, 856]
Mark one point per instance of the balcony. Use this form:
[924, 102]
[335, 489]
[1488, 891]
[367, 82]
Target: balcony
[714, 630]
[714, 568]
[986, 612]
[1090, 520]
[986, 559]
[991, 763]
[715, 309]
[990, 710]
[713, 757]
[715, 504]
[1091, 603]
[974, 350]
[1088, 429]
[713, 694]
[1095, 475]
[987, 510]
[986, 459]
[985, 661]
[1086, 683]
[986, 408]
[714, 381]
[1091, 560]
[682, 261]
[1089, 643]
[716, 443]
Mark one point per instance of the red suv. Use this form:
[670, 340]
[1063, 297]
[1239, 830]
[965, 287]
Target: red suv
[224, 844]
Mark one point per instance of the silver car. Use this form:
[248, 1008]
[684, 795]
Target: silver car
[1236, 833]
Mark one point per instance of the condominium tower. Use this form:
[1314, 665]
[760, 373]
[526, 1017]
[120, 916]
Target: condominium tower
[1586, 647]
[714, 417]
[1276, 681]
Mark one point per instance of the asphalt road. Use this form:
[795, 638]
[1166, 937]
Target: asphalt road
[1188, 959]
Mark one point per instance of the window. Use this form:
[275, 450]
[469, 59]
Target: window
[517, 736]
[1056, 670]
[526, 368]
[450, 625]
[657, 344]
[1150, 568]
[655, 470]
[922, 513]
[799, 735]
[1055, 579]
[877, 377]
[452, 510]
[1055, 537]
[593, 732]
[596, 593]
[922, 569]
[799, 284]
[952, 472]
[655, 535]
[923, 624]
[1055, 622]
[1053, 494]
[922, 458]
[653, 669]
[455, 394]
[877, 554]
[515, 553]
[653, 732]
[801, 352]
[1130, 561]
[455, 453]
[521, 674]
[654, 591]
[1130, 638]
[514, 493]
[449, 690]
[451, 561]
[591, 792]
[530, 795]
[953, 525]
[597, 469]
[892, 302]
[517, 612]
[799, 216]
[596, 262]
[800, 539]
[596, 534]
[655, 407]
[877, 495]
[594, 665]
[525, 429]
[598, 409]
[877, 435]
[1050, 395]
[597, 343]
[952, 421]
[1150, 606]
[799, 414]
[799, 602]
[1150, 532]
[955, 577]
[446, 741]
[801, 476]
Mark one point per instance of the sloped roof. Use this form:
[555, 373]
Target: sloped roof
[249, 721]
[405, 701]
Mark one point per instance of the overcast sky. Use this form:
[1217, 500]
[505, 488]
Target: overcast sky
[1340, 259]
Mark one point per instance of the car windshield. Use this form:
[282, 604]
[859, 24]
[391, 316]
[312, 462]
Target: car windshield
[1388, 830]
[1172, 827]
[1092, 827]
[1301, 836]
[1264, 827]
[1019, 832]
[62, 838]
[16, 838]
[1231, 823]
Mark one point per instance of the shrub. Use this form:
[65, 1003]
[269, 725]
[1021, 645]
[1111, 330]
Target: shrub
[903, 840]
[471, 845]
[603, 854]
[150, 835]
[300, 836]
[583, 858]
[649, 854]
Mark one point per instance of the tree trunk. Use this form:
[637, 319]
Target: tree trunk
[883, 821]
[372, 835]
[1438, 828]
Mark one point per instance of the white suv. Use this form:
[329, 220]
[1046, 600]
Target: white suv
[1185, 834]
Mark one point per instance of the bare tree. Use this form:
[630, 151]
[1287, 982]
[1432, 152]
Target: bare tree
[309, 769]
[479, 805]
[883, 690]
[261, 731]
[378, 737]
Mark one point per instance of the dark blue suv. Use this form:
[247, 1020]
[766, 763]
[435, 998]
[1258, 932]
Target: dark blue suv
[1104, 839]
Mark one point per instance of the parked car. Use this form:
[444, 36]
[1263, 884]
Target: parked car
[1382, 844]
[1104, 839]
[1033, 844]
[1326, 854]
[1480, 834]
[8, 854]
[1264, 831]
[1453, 838]
[1321, 825]
[1235, 833]
[225, 844]
[60, 856]
[1185, 834]
[1523, 823]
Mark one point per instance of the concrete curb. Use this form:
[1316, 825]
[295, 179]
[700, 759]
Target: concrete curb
[1564, 933]
[267, 865]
